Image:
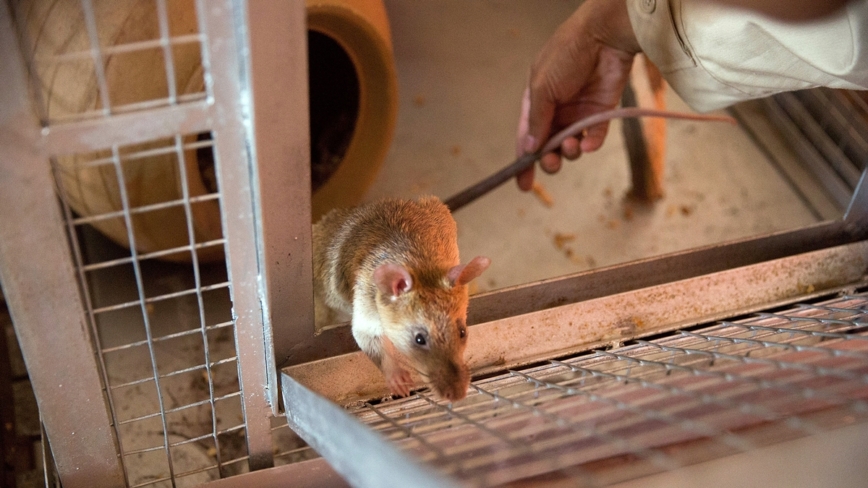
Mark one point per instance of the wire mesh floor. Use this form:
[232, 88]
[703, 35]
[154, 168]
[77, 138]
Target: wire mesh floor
[611, 415]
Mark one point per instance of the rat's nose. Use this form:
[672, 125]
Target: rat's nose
[454, 382]
[455, 393]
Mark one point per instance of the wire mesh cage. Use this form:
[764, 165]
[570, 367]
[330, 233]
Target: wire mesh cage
[135, 116]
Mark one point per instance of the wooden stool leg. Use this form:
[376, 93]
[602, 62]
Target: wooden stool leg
[645, 138]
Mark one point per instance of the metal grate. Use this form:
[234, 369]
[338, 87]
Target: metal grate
[611, 415]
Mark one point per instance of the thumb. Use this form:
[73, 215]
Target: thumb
[540, 113]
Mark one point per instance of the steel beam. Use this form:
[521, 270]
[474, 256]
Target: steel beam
[360, 455]
[223, 22]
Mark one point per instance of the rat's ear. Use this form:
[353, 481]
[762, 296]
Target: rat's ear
[392, 279]
[465, 273]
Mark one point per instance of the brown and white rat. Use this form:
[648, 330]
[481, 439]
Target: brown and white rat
[393, 265]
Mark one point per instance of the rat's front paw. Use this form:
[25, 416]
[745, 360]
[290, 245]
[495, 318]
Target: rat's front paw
[399, 379]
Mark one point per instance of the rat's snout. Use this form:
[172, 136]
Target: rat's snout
[452, 381]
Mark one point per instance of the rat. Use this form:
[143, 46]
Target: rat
[393, 265]
[523, 162]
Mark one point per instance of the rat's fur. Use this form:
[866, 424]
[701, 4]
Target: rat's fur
[393, 264]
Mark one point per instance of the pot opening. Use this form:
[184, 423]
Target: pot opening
[334, 109]
[334, 105]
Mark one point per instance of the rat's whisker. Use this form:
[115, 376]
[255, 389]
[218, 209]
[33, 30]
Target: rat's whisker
[424, 375]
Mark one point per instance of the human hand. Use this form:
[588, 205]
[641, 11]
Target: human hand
[581, 70]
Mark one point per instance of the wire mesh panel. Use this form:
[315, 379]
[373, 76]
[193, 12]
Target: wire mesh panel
[95, 58]
[142, 115]
[164, 333]
[653, 405]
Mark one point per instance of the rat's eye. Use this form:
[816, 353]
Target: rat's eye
[462, 332]
[421, 340]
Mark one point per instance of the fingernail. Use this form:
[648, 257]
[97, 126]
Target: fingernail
[529, 144]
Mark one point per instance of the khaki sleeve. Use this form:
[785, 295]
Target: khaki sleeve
[714, 55]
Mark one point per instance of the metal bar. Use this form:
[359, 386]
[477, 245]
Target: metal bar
[155, 254]
[96, 55]
[812, 159]
[821, 141]
[181, 408]
[145, 209]
[148, 153]
[121, 48]
[158, 298]
[88, 303]
[128, 128]
[856, 218]
[197, 279]
[173, 336]
[358, 454]
[35, 259]
[580, 326]
[850, 126]
[315, 473]
[834, 119]
[753, 118]
[126, 108]
[278, 60]
[175, 373]
[169, 61]
[234, 162]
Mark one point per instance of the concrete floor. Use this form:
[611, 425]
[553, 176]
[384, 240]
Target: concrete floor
[462, 67]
